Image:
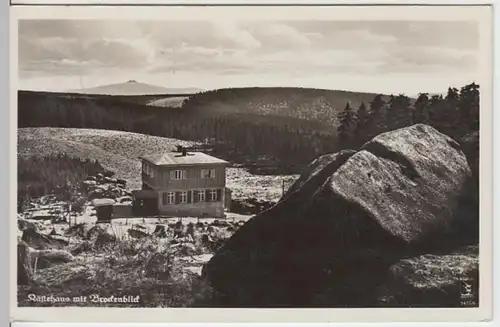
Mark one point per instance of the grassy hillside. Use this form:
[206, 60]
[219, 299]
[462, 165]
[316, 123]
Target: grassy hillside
[116, 151]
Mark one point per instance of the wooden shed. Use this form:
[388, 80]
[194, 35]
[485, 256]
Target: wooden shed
[104, 209]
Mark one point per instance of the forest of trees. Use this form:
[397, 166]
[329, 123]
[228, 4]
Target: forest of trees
[248, 132]
[60, 175]
[455, 114]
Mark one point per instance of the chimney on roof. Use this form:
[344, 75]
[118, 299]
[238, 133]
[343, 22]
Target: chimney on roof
[182, 150]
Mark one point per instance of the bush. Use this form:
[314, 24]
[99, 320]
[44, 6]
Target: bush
[60, 175]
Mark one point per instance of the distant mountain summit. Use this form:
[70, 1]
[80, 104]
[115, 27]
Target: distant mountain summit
[133, 87]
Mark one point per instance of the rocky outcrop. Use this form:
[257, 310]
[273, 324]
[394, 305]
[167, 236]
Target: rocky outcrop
[432, 280]
[349, 218]
[42, 241]
[29, 260]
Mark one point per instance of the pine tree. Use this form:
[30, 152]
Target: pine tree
[404, 114]
[451, 117]
[436, 105]
[422, 109]
[362, 124]
[377, 120]
[347, 123]
[469, 107]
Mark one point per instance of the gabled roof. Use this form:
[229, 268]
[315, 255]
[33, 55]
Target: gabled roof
[176, 158]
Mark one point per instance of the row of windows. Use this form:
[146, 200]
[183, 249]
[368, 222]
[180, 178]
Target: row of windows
[182, 174]
[179, 174]
[194, 196]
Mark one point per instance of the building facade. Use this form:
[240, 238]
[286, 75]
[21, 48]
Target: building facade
[186, 184]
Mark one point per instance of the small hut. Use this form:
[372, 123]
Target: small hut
[104, 209]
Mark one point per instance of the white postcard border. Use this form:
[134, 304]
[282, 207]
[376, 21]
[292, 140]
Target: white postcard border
[482, 14]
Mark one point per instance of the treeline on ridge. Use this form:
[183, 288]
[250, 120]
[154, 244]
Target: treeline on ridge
[455, 114]
[265, 132]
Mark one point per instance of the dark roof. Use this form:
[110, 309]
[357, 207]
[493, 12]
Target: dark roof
[176, 158]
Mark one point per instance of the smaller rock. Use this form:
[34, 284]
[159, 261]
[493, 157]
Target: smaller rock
[108, 174]
[38, 240]
[90, 183]
[158, 266]
[84, 246]
[103, 239]
[23, 224]
[49, 258]
[160, 231]
[135, 233]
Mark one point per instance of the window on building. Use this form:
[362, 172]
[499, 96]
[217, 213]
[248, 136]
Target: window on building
[168, 198]
[183, 197]
[213, 195]
[201, 196]
[208, 173]
[148, 169]
[179, 174]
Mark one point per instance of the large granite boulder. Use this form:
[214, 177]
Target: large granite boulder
[331, 240]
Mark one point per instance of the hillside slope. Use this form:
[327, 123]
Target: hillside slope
[116, 151]
[303, 103]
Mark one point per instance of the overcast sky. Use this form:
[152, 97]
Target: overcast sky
[371, 56]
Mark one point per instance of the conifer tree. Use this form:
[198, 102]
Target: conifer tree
[346, 126]
[469, 107]
[422, 109]
[376, 122]
[451, 117]
[399, 113]
[362, 124]
[436, 105]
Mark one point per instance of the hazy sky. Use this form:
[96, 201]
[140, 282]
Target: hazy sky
[372, 56]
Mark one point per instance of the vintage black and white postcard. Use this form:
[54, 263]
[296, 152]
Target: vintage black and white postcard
[331, 161]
